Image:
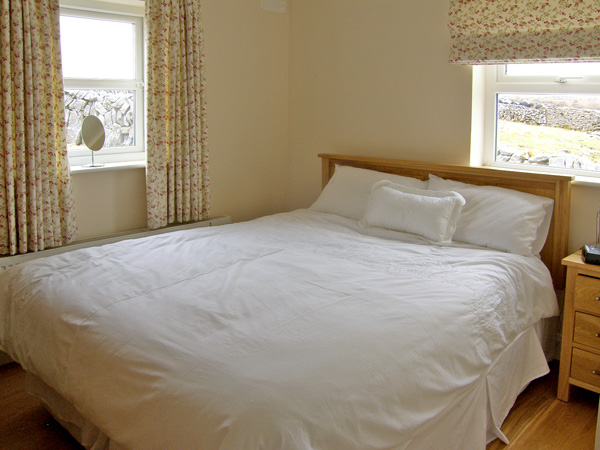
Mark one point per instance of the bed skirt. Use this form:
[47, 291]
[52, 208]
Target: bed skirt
[521, 362]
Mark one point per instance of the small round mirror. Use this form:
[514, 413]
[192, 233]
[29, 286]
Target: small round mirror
[92, 133]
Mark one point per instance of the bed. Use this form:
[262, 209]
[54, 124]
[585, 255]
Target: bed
[341, 326]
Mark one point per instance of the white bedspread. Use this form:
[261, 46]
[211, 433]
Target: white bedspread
[295, 331]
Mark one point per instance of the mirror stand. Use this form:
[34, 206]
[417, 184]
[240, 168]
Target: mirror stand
[93, 164]
[92, 135]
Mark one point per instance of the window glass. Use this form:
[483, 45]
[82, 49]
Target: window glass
[541, 117]
[93, 48]
[102, 57]
[558, 130]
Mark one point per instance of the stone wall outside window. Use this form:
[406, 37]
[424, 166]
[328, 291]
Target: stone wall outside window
[114, 108]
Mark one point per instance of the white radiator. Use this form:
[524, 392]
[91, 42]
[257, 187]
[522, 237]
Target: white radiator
[109, 239]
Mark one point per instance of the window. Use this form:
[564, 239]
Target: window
[103, 69]
[540, 116]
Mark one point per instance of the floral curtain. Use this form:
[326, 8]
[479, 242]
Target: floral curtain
[177, 168]
[36, 204]
[503, 31]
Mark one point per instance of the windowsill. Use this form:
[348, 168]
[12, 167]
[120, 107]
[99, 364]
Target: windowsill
[109, 167]
[578, 180]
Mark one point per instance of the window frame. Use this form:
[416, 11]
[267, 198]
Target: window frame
[491, 80]
[136, 153]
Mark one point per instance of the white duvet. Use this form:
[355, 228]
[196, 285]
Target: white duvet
[295, 331]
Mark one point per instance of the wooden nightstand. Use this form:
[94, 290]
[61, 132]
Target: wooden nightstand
[580, 347]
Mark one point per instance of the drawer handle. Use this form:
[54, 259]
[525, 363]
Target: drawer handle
[595, 372]
[597, 334]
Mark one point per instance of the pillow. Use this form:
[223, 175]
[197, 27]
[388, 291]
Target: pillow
[429, 214]
[349, 188]
[499, 218]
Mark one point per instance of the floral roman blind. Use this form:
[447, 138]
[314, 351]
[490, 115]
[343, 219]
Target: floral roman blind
[177, 176]
[505, 31]
[36, 204]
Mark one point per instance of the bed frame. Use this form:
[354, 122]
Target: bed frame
[556, 187]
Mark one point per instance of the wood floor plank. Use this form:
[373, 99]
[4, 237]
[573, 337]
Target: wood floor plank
[562, 427]
[539, 421]
[24, 423]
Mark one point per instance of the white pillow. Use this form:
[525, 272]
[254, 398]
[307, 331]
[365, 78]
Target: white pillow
[499, 218]
[349, 189]
[430, 214]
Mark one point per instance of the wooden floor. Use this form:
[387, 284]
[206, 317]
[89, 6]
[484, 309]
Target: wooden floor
[24, 423]
[538, 421]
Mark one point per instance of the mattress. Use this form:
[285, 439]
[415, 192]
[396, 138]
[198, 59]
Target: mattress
[297, 331]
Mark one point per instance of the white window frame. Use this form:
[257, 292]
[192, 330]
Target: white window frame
[114, 155]
[491, 80]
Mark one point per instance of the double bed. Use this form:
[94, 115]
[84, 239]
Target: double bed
[319, 328]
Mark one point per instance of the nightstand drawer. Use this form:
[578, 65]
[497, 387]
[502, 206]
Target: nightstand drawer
[587, 329]
[580, 349]
[587, 294]
[583, 366]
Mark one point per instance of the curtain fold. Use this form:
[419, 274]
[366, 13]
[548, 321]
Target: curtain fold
[520, 31]
[177, 178]
[36, 201]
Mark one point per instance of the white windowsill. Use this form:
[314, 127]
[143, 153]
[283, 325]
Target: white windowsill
[109, 167]
[578, 180]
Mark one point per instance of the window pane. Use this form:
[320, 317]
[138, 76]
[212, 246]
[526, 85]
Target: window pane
[114, 108]
[93, 48]
[556, 130]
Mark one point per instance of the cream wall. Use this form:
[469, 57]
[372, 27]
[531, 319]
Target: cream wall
[585, 202]
[109, 201]
[246, 54]
[372, 78]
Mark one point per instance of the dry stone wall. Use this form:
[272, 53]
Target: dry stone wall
[551, 116]
[115, 109]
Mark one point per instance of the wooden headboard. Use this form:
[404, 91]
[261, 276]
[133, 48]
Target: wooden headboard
[556, 187]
